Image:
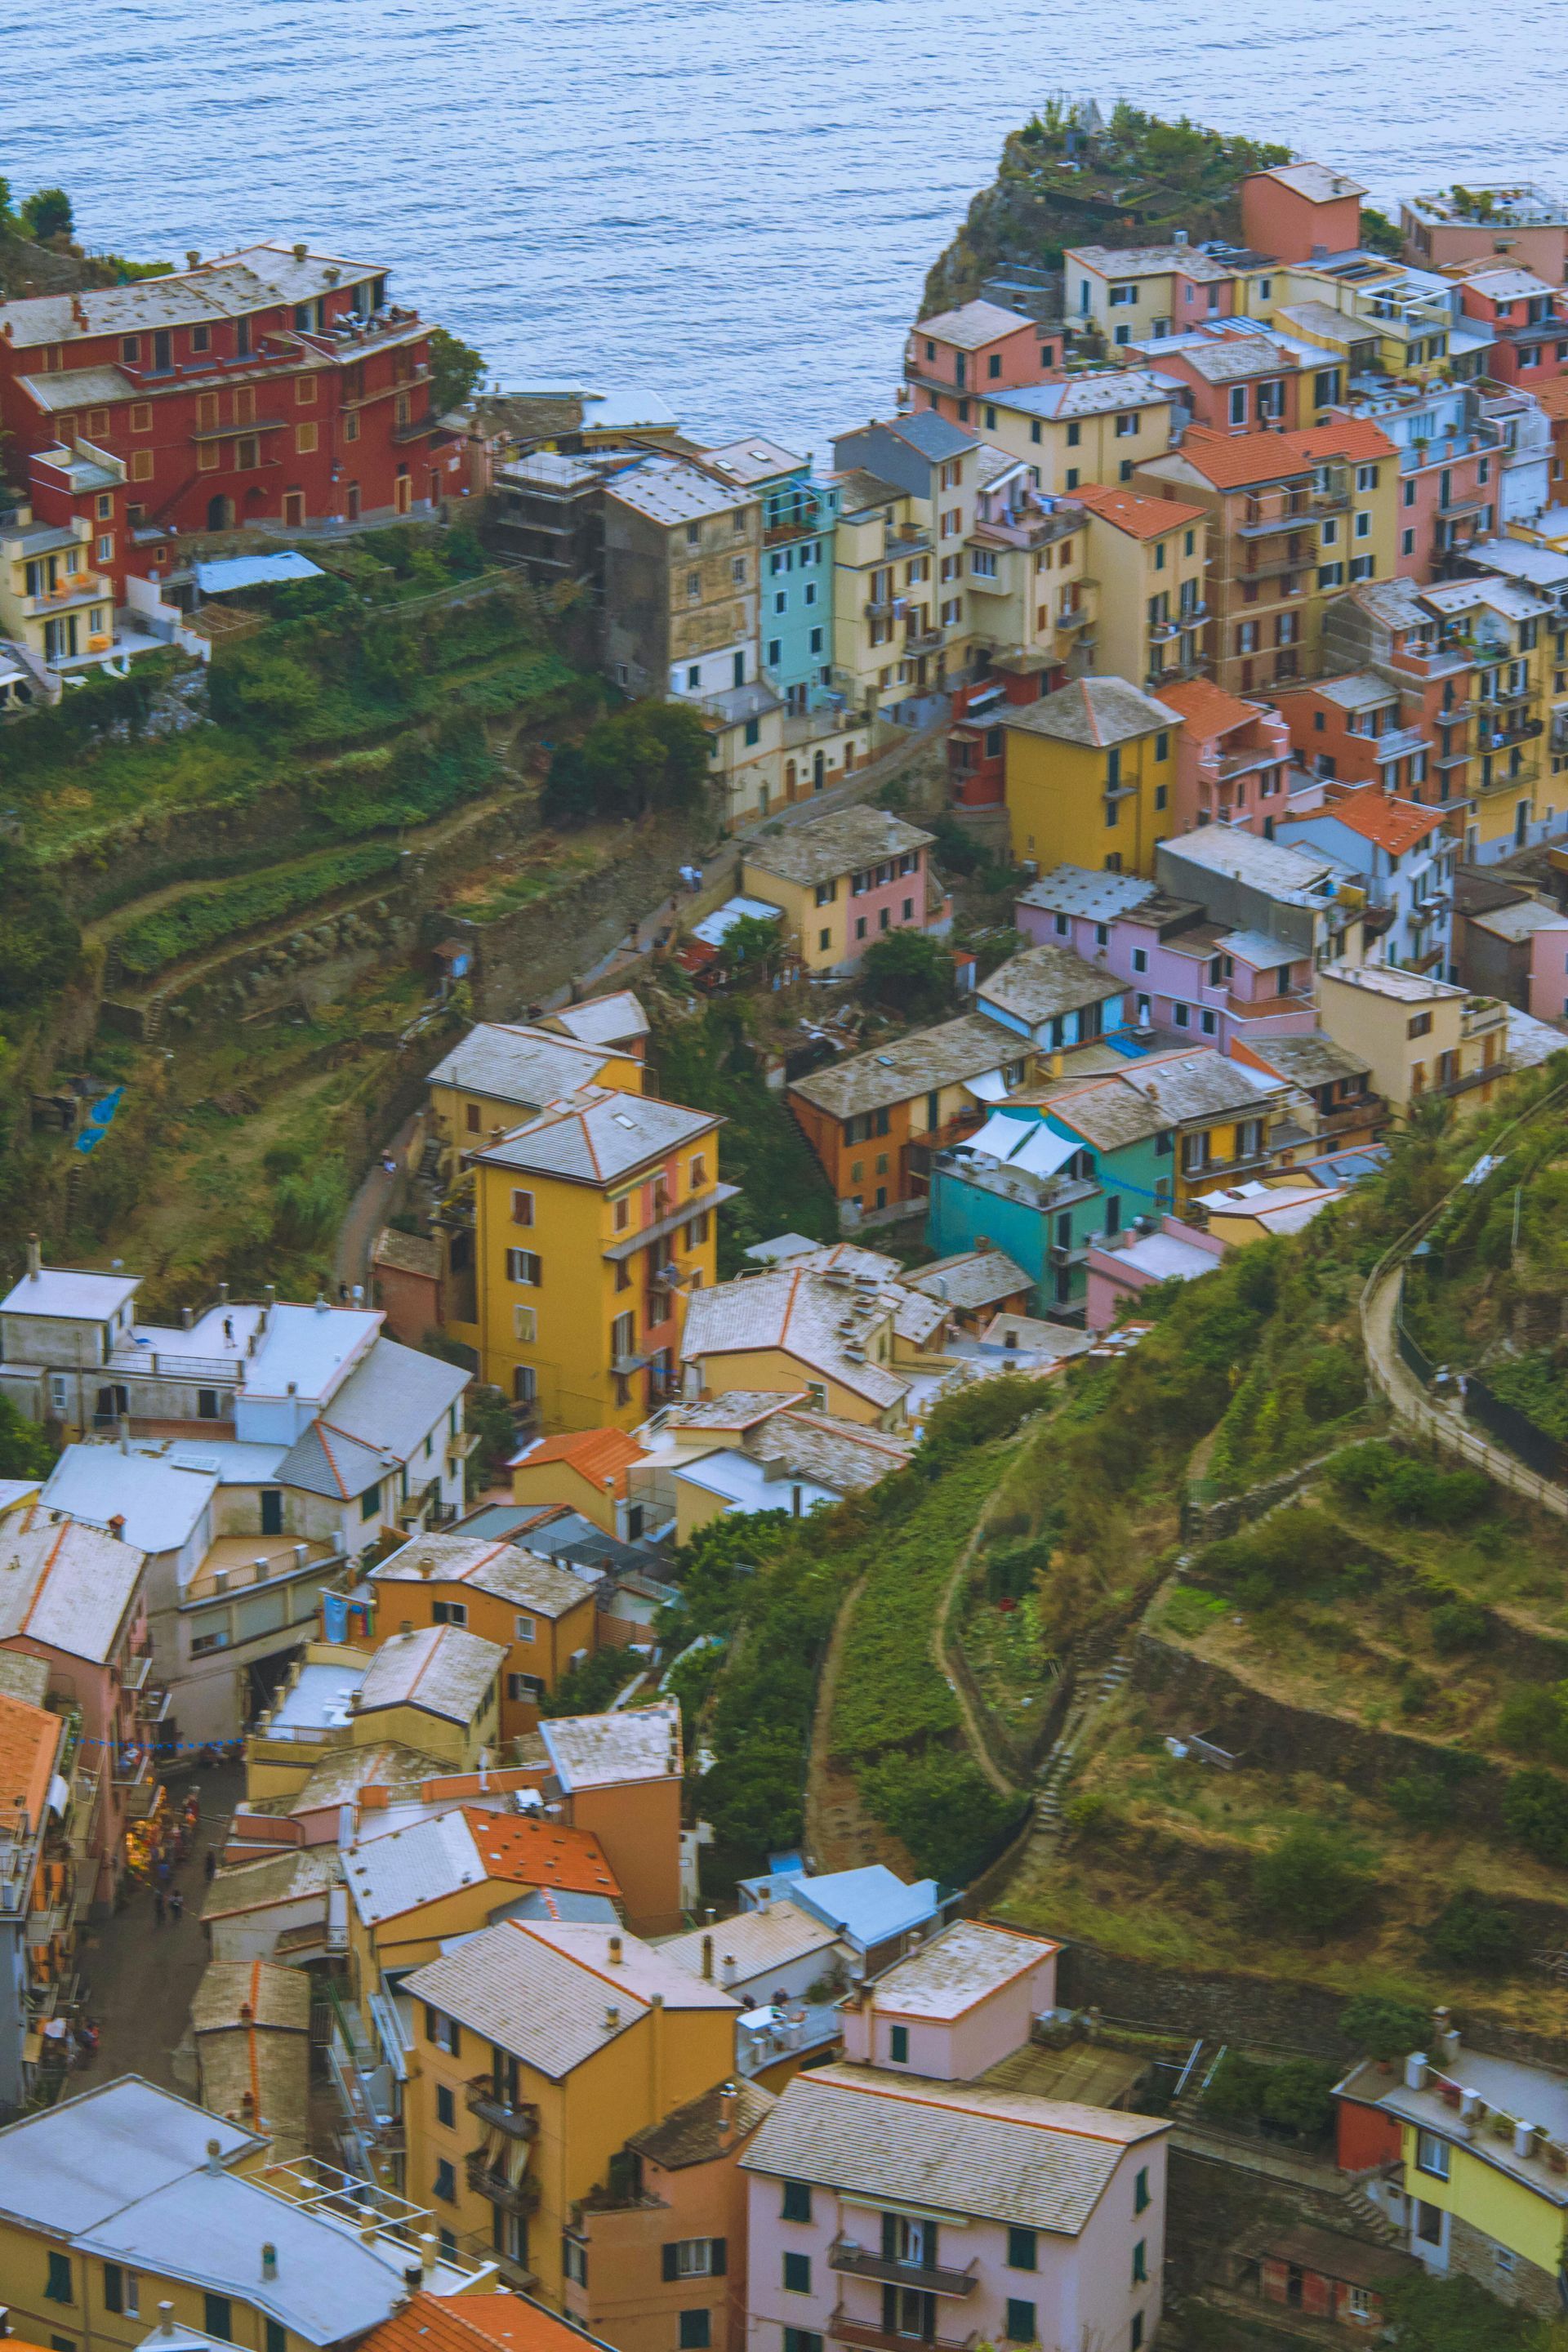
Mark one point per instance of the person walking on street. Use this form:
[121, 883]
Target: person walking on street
[176, 1907]
[158, 1906]
[209, 1863]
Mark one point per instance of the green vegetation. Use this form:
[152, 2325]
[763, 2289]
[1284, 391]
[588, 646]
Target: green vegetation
[455, 371]
[908, 973]
[1384, 2029]
[1063, 182]
[588, 1689]
[25, 1451]
[1312, 1883]
[47, 214]
[1455, 2315]
[1397, 1488]
[40, 943]
[1476, 1935]
[708, 1060]
[1535, 1385]
[644, 758]
[751, 948]
[1297, 2095]
[205, 918]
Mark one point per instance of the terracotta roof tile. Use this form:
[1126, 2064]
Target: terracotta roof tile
[1140, 517]
[1234, 461]
[475, 2323]
[1207, 709]
[1388, 823]
[596, 1454]
[29, 1742]
[1351, 436]
[540, 1853]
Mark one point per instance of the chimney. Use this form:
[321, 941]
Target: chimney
[300, 251]
[117, 1527]
[35, 1258]
[1524, 2139]
[269, 2260]
[214, 2158]
[223, 1293]
[165, 2319]
[614, 1951]
[727, 1970]
[124, 1434]
[1416, 2070]
[413, 2278]
[246, 2014]
[612, 2019]
[430, 2252]
[726, 2109]
[708, 1959]
[187, 1319]
[193, 261]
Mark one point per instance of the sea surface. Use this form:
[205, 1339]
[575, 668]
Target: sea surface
[727, 204]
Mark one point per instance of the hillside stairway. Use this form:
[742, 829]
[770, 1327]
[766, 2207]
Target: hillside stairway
[1057, 1769]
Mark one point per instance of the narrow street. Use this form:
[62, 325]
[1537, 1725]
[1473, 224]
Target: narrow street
[142, 1975]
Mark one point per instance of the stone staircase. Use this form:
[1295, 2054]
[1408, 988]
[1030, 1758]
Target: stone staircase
[1056, 1768]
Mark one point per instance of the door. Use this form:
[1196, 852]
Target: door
[220, 514]
[294, 508]
[272, 1510]
[818, 771]
[351, 503]
[405, 498]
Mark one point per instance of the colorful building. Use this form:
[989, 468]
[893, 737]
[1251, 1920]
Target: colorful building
[1421, 1038]
[1504, 627]
[502, 1072]
[958, 356]
[271, 386]
[1302, 212]
[810, 1331]
[794, 611]
[1231, 759]
[1130, 293]
[1098, 427]
[1236, 377]
[1402, 855]
[1515, 222]
[1089, 776]
[842, 880]
[543, 1617]
[870, 1117]
[934, 463]
[591, 1221]
[1147, 557]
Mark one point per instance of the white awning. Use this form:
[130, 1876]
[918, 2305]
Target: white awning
[989, 1086]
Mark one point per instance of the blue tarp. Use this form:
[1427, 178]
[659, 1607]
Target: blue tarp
[231, 571]
[98, 1119]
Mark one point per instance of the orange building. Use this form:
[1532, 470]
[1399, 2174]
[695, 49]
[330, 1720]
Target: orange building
[861, 1116]
[1231, 759]
[661, 2258]
[471, 2323]
[1300, 212]
[543, 1617]
[620, 1776]
[584, 1470]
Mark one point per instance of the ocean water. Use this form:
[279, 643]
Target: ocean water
[726, 204]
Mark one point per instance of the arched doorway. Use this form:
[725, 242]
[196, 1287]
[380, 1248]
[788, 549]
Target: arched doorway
[789, 780]
[220, 514]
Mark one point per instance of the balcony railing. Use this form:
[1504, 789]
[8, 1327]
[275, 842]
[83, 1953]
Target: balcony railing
[520, 2197]
[871, 2338]
[859, 2262]
[519, 2118]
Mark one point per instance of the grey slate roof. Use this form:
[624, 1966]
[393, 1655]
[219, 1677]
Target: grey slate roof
[1041, 982]
[912, 1065]
[442, 1669]
[520, 1065]
[67, 1586]
[974, 1278]
[1313, 1060]
[841, 842]
[1093, 710]
[973, 324]
[598, 1136]
[602, 1751]
[934, 435]
[507, 1570]
[1040, 2164]
[323, 1461]
[394, 1398]
[1075, 890]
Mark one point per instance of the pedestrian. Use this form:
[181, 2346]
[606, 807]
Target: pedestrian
[176, 1907]
[158, 1906]
[342, 1294]
[228, 1331]
[209, 1863]
[164, 1872]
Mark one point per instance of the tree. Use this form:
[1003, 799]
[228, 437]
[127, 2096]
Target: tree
[47, 214]
[1301, 2095]
[908, 972]
[647, 756]
[1310, 1884]
[752, 945]
[455, 368]
[1473, 1932]
[1535, 1811]
[40, 942]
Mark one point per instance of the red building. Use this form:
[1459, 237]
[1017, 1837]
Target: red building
[274, 385]
[976, 740]
[979, 348]
[1237, 379]
[1302, 212]
[1527, 320]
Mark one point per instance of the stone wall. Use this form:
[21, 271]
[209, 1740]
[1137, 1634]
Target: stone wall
[1526, 2286]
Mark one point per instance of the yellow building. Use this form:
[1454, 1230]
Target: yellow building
[591, 1223]
[1138, 293]
[55, 607]
[503, 1072]
[1148, 556]
[1089, 771]
[1507, 629]
[1089, 428]
[841, 881]
[848, 1338]
[582, 1470]
[126, 2201]
[1377, 318]
[1032, 606]
[541, 1617]
[883, 585]
[1420, 1038]
[436, 1690]
[542, 2045]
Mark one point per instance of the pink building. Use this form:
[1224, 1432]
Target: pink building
[1189, 976]
[76, 1599]
[1173, 1253]
[1302, 212]
[1232, 758]
[1526, 318]
[904, 2199]
[976, 349]
[1236, 379]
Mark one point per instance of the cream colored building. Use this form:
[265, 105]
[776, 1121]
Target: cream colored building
[1032, 607]
[1147, 557]
[1420, 1038]
[881, 575]
[1086, 428]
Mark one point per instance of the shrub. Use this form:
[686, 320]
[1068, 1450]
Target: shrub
[1382, 2028]
[1534, 1722]
[202, 917]
[975, 1415]
[1420, 1799]
[588, 1689]
[1460, 1626]
[1312, 1883]
[40, 943]
[25, 1451]
[650, 755]
[1397, 1488]
[1234, 2093]
[1189, 1611]
[1535, 1811]
[1473, 1932]
[1333, 1383]
[47, 214]
[1455, 2315]
[1301, 2095]
[1090, 1811]
[1011, 1570]
[456, 368]
[943, 1810]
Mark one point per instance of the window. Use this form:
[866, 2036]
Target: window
[738, 570]
[695, 2333]
[218, 2316]
[1141, 2199]
[1418, 1025]
[898, 2045]
[304, 391]
[1161, 746]
[130, 350]
[1330, 575]
[443, 2032]
[1140, 2262]
[1127, 425]
[449, 1612]
[695, 2258]
[370, 1502]
[1139, 958]
[277, 2337]
[305, 439]
[796, 2202]
[1363, 524]
[1075, 434]
[140, 464]
[523, 1266]
[444, 2186]
[1432, 2154]
[1022, 2251]
[522, 1208]
[247, 455]
[445, 2105]
[114, 2287]
[1428, 2221]
[801, 2339]
[1021, 2327]
[1136, 2339]
[797, 2274]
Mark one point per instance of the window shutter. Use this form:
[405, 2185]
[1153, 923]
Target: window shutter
[718, 2257]
[431, 2033]
[672, 2253]
[890, 2238]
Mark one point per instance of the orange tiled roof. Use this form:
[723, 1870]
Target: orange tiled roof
[1140, 517]
[540, 1853]
[29, 1742]
[1388, 823]
[1207, 709]
[1351, 436]
[1553, 396]
[474, 2323]
[596, 1454]
[1234, 461]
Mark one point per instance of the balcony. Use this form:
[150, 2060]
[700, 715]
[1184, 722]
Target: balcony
[899, 543]
[1272, 511]
[923, 641]
[859, 2262]
[137, 1670]
[1396, 742]
[1074, 616]
[988, 584]
[1528, 773]
[1499, 738]
[1160, 633]
[519, 2119]
[871, 2338]
[1273, 567]
[520, 2197]
[803, 522]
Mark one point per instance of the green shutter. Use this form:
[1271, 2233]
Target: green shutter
[671, 2257]
[719, 2257]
